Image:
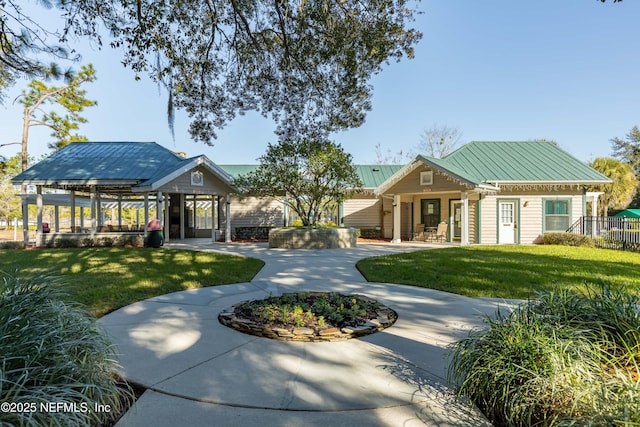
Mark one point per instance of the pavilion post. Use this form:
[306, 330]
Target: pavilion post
[227, 231]
[146, 212]
[94, 200]
[39, 206]
[25, 219]
[73, 211]
[182, 224]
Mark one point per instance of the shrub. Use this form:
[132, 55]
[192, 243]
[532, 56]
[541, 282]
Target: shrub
[87, 242]
[567, 239]
[370, 233]
[252, 233]
[563, 359]
[12, 244]
[65, 243]
[130, 241]
[53, 352]
[105, 242]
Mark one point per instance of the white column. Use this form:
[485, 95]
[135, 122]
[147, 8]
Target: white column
[39, 216]
[594, 215]
[99, 212]
[227, 231]
[464, 239]
[25, 219]
[119, 211]
[94, 211]
[158, 205]
[164, 214]
[73, 210]
[56, 216]
[182, 224]
[397, 220]
[213, 219]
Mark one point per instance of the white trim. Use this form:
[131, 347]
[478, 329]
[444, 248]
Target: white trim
[397, 223]
[464, 238]
[426, 178]
[183, 169]
[197, 179]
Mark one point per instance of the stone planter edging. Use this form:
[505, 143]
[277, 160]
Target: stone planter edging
[385, 317]
[312, 238]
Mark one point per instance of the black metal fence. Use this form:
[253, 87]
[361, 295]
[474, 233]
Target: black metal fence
[610, 232]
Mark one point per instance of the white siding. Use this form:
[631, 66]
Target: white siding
[362, 213]
[530, 213]
[256, 212]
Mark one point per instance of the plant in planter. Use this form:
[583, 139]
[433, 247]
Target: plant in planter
[310, 316]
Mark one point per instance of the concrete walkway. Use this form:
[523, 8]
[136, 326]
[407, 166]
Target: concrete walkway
[200, 373]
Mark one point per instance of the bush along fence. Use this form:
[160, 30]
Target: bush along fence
[610, 232]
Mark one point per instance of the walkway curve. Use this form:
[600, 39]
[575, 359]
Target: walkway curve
[199, 372]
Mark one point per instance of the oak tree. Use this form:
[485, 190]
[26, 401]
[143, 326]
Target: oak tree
[305, 63]
[309, 177]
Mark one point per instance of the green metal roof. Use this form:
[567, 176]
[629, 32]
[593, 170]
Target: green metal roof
[518, 162]
[121, 166]
[370, 175]
[103, 161]
[374, 175]
[237, 170]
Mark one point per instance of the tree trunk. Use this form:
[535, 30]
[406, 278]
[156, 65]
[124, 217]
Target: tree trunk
[25, 138]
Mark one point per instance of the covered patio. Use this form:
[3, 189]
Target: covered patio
[96, 181]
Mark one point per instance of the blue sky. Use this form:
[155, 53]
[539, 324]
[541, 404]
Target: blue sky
[565, 70]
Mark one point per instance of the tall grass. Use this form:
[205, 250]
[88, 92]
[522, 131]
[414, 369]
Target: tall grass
[53, 352]
[563, 359]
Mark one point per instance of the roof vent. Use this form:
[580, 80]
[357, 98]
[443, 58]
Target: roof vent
[375, 170]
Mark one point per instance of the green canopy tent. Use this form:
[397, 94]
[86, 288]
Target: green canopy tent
[629, 213]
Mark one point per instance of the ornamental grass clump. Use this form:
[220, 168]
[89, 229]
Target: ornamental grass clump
[57, 365]
[562, 359]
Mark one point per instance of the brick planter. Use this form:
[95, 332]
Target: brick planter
[312, 238]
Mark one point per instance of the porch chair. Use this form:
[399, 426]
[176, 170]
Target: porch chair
[418, 233]
[441, 232]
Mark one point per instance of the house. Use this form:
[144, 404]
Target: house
[490, 193]
[486, 192]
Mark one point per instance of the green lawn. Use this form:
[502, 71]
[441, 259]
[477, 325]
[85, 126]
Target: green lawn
[505, 271]
[104, 279]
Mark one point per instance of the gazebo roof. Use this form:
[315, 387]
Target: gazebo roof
[122, 167]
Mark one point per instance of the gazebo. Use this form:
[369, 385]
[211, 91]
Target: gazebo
[133, 174]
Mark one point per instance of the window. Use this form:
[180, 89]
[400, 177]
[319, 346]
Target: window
[426, 178]
[197, 178]
[556, 215]
[430, 212]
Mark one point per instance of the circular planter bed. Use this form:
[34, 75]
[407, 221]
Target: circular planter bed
[312, 238]
[309, 316]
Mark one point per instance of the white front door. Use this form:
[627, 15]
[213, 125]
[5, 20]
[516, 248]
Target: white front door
[506, 222]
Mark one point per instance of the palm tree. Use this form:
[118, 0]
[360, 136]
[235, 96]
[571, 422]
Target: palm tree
[618, 194]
